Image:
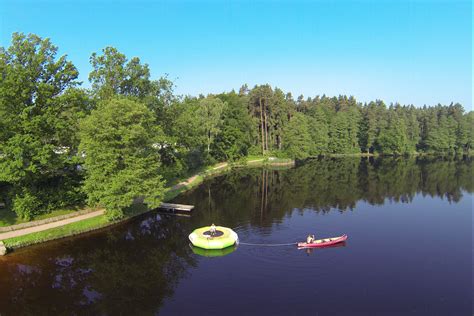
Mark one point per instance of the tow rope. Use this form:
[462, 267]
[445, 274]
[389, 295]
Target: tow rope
[267, 245]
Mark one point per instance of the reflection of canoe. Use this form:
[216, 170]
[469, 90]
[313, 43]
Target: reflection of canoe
[323, 242]
[310, 250]
[341, 244]
[212, 252]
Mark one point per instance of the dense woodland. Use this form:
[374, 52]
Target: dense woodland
[127, 135]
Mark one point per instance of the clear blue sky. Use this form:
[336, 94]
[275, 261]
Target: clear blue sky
[417, 52]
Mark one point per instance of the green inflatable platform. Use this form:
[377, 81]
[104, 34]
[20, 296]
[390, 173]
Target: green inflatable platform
[224, 237]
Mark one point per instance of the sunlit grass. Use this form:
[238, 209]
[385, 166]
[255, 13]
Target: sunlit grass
[58, 232]
[91, 224]
[8, 217]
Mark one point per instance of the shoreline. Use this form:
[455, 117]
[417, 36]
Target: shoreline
[99, 222]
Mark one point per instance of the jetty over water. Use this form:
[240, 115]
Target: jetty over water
[176, 207]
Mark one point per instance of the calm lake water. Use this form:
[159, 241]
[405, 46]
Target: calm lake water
[409, 250]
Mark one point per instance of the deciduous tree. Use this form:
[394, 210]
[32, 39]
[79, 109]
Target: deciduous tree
[119, 140]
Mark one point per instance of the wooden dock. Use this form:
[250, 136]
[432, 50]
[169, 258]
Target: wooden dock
[171, 213]
[176, 207]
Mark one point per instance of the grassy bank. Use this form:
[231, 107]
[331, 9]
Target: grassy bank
[58, 232]
[101, 221]
[8, 217]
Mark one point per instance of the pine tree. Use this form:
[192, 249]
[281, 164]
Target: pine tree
[393, 140]
[319, 130]
[298, 140]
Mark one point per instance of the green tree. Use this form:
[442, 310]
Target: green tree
[209, 115]
[469, 127]
[40, 107]
[464, 133]
[113, 74]
[343, 132]
[282, 108]
[450, 126]
[368, 129]
[298, 142]
[338, 140]
[353, 116]
[413, 128]
[119, 140]
[187, 133]
[441, 131]
[33, 105]
[393, 139]
[260, 102]
[319, 130]
[235, 137]
[108, 72]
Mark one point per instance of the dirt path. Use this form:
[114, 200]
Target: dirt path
[191, 179]
[255, 160]
[184, 183]
[220, 166]
[29, 230]
[34, 229]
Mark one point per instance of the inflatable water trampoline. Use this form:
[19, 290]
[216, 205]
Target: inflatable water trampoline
[222, 238]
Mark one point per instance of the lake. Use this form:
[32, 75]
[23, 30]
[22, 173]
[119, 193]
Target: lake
[409, 252]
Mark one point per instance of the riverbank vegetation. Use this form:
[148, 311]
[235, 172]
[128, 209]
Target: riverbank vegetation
[128, 135]
[105, 220]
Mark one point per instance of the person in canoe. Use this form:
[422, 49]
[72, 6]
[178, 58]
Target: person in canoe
[310, 239]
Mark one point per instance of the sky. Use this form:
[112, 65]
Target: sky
[411, 52]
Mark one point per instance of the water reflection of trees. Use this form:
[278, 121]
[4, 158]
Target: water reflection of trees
[328, 184]
[129, 270]
[133, 268]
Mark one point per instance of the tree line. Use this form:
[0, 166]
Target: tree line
[127, 135]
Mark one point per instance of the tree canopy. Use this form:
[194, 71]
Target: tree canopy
[135, 134]
[119, 141]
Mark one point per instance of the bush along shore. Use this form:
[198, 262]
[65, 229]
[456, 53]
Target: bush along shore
[130, 136]
[102, 221]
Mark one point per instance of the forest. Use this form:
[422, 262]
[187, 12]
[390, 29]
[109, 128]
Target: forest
[127, 135]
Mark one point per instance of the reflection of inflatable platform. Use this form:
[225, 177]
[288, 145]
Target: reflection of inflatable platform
[223, 237]
[213, 252]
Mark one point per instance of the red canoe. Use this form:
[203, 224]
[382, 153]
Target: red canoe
[323, 242]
